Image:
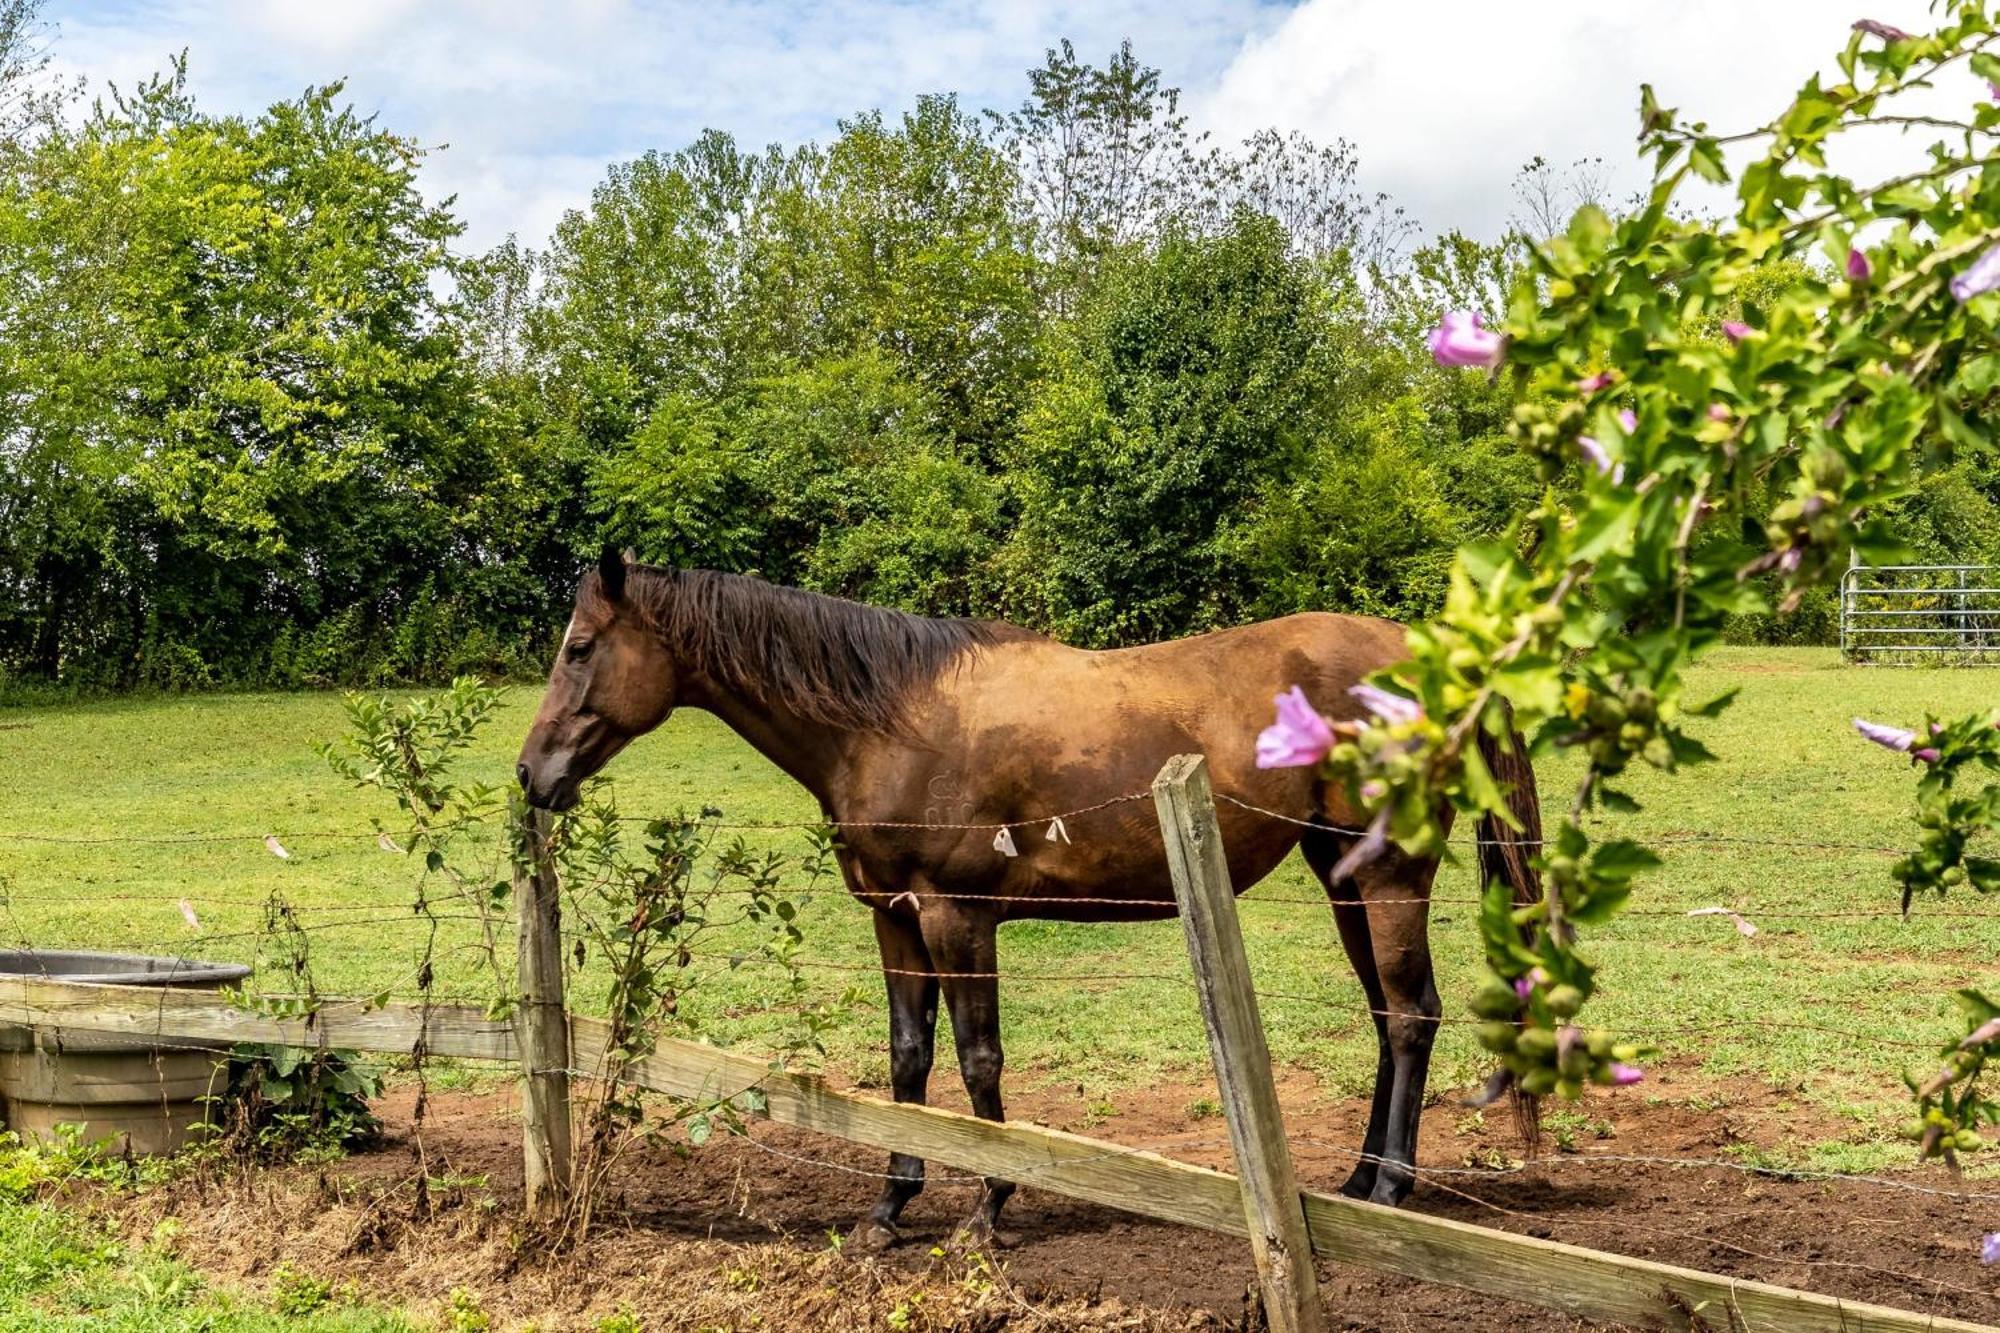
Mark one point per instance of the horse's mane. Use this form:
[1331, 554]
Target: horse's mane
[830, 660]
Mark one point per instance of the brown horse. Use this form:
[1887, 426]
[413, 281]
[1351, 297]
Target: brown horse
[889, 718]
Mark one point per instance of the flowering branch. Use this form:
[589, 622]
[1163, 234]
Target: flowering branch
[1769, 383]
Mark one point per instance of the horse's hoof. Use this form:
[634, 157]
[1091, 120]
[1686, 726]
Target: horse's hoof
[872, 1237]
[1360, 1185]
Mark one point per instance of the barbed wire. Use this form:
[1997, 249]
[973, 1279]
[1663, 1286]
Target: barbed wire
[1315, 823]
[312, 920]
[1777, 910]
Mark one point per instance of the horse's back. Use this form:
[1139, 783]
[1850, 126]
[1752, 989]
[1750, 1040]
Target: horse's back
[1028, 728]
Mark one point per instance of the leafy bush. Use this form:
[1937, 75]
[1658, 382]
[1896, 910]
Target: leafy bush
[286, 1103]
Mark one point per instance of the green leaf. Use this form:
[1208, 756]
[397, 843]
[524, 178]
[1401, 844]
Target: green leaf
[1714, 707]
[1621, 858]
[1533, 684]
[1705, 156]
[1608, 525]
[1616, 801]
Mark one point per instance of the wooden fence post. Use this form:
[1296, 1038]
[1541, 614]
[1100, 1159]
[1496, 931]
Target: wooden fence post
[541, 1023]
[1279, 1241]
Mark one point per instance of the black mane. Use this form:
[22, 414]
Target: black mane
[831, 660]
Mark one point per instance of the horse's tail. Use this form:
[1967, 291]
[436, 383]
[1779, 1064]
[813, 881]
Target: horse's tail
[1507, 854]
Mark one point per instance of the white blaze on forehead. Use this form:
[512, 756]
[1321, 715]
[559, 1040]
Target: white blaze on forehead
[569, 631]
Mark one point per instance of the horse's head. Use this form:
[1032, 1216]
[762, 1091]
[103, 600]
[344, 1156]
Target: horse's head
[613, 680]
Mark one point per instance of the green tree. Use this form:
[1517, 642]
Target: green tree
[1175, 399]
[233, 407]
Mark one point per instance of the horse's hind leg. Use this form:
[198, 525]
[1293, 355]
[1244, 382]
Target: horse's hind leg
[913, 1000]
[1382, 914]
[962, 942]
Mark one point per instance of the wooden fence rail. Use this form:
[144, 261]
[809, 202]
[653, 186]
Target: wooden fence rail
[1580, 1282]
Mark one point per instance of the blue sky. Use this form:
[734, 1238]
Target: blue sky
[528, 102]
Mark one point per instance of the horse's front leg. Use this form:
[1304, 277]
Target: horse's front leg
[962, 943]
[913, 1001]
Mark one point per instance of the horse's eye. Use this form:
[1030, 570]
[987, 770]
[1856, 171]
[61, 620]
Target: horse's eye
[579, 650]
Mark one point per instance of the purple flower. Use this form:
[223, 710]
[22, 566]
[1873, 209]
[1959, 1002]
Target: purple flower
[1791, 558]
[1886, 31]
[1983, 276]
[1894, 738]
[1736, 330]
[1601, 380]
[1524, 985]
[1598, 457]
[1929, 754]
[1717, 412]
[1370, 845]
[1989, 1248]
[1980, 1035]
[1628, 419]
[1299, 737]
[1391, 708]
[1624, 1075]
[1858, 267]
[1460, 340]
[1374, 790]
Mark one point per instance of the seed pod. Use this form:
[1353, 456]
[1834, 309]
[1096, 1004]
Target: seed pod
[1496, 999]
[1537, 1044]
[1538, 1082]
[1564, 1001]
[1497, 1037]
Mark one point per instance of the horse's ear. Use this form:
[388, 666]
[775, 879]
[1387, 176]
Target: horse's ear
[631, 556]
[611, 574]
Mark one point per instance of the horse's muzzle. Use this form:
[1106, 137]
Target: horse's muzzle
[558, 795]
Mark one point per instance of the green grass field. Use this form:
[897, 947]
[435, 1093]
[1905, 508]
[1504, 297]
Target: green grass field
[61, 1273]
[1791, 770]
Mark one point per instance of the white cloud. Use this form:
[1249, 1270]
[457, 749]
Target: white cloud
[534, 99]
[1447, 100]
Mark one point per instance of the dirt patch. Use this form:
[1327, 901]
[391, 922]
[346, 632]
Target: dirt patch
[737, 1234]
[1770, 669]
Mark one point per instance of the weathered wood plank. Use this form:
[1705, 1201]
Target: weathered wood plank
[1583, 1282]
[1279, 1243]
[206, 1016]
[1586, 1283]
[542, 1031]
[1091, 1169]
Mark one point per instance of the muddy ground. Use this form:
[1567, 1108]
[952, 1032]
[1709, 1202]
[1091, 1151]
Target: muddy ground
[736, 1235]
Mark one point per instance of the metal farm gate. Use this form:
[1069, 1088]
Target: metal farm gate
[1940, 614]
